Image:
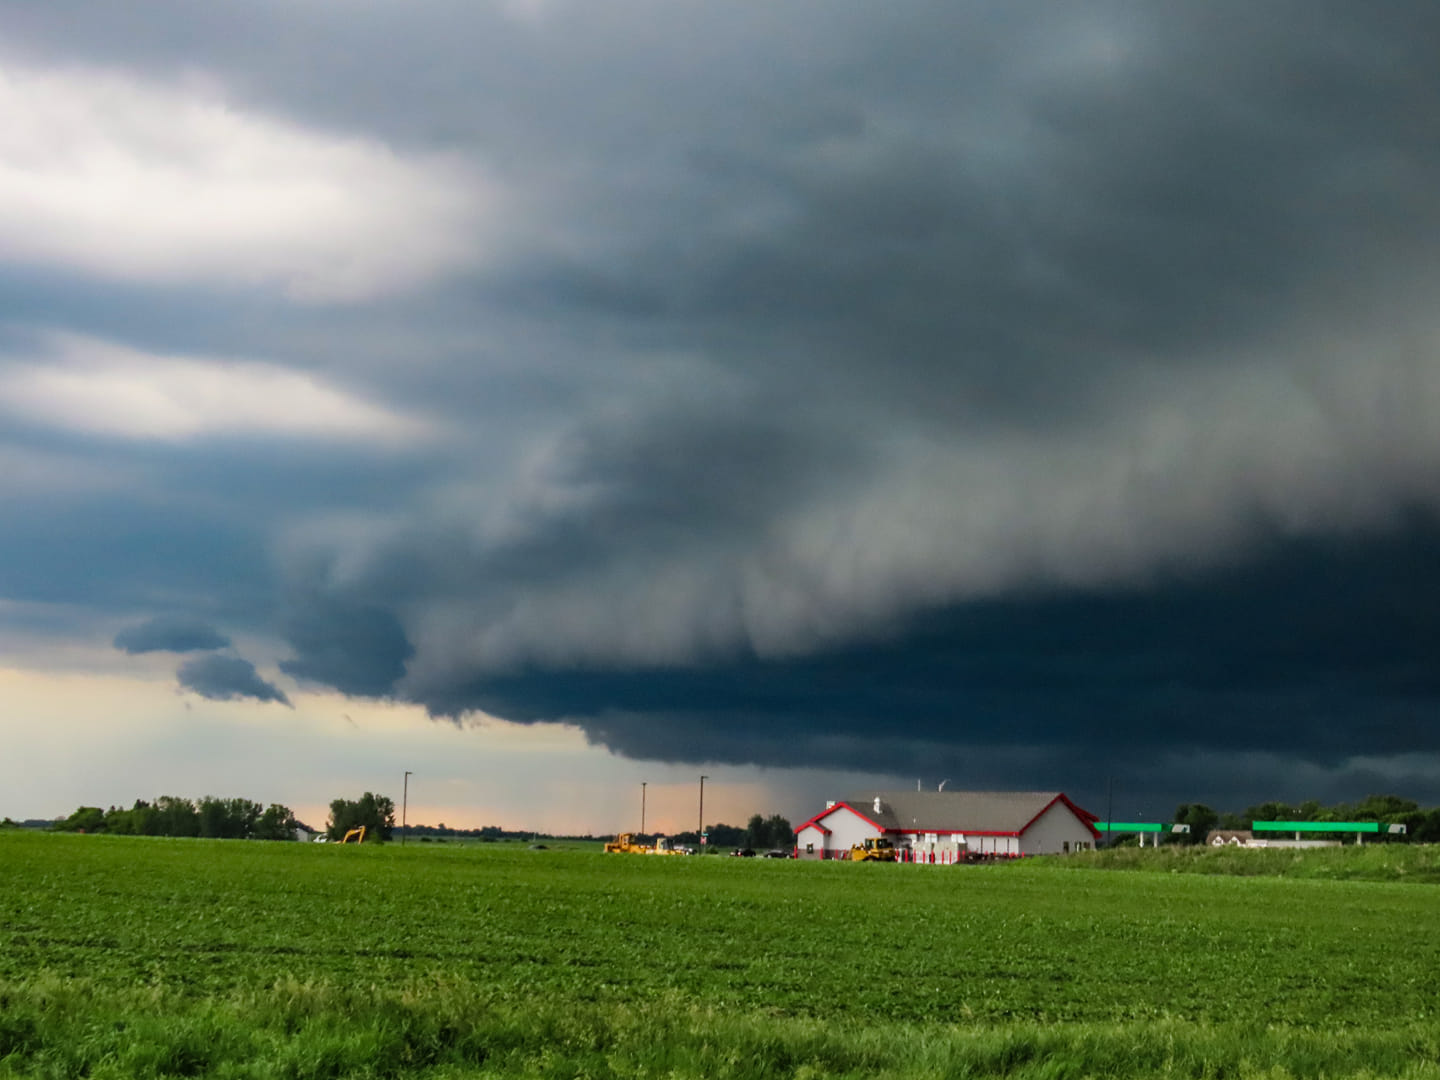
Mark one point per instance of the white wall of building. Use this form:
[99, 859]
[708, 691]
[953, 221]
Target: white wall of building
[810, 836]
[1057, 831]
[846, 830]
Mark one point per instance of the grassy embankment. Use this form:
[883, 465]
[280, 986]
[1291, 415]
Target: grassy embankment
[1418, 863]
[170, 958]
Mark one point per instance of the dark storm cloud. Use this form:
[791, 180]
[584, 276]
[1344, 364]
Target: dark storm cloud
[169, 633]
[358, 650]
[1318, 653]
[1033, 271]
[843, 386]
[227, 678]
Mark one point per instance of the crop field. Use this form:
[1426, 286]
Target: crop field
[144, 957]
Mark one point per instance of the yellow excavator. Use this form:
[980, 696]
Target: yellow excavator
[358, 835]
[874, 849]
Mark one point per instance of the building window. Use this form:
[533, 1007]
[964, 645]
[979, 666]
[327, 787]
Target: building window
[809, 849]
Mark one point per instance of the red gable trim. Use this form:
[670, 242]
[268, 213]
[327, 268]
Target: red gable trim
[812, 824]
[1085, 817]
[838, 806]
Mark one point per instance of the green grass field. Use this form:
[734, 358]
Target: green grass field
[136, 957]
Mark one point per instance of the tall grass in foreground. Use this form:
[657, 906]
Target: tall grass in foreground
[1365, 862]
[69, 1028]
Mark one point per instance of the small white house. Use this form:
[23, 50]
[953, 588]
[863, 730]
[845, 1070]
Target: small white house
[949, 826]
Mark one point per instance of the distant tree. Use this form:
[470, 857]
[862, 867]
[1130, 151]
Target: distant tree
[765, 833]
[121, 822]
[1385, 808]
[725, 835]
[1201, 820]
[176, 817]
[375, 812]
[86, 819]
[227, 819]
[276, 823]
[1427, 831]
[781, 834]
[214, 818]
[757, 832]
[145, 819]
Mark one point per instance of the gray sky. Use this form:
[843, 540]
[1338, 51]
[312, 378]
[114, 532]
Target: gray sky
[813, 391]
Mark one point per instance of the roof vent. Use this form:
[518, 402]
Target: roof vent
[829, 803]
[877, 804]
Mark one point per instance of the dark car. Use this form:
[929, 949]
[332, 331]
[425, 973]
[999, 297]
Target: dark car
[744, 853]
[776, 853]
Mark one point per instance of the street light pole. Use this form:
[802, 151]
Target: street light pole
[404, 810]
[642, 807]
[701, 829]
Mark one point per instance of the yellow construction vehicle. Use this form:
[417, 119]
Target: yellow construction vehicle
[874, 849]
[358, 835]
[626, 844]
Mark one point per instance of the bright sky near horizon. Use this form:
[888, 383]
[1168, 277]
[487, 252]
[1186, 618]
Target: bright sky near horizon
[550, 397]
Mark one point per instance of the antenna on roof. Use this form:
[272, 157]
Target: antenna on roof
[942, 784]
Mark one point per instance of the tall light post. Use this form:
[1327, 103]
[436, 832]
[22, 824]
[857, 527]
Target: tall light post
[701, 829]
[404, 810]
[642, 807]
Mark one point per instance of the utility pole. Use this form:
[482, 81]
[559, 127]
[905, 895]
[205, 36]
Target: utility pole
[405, 810]
[701, 828]
[642, 807]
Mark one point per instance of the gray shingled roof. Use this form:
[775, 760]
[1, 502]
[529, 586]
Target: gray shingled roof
[950, 811]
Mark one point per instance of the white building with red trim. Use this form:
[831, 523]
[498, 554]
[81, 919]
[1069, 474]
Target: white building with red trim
[948, 826]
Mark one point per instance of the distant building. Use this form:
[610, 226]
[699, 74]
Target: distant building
[1230, 838]
[948, 826]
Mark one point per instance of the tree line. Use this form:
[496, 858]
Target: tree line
[171, 815]
[213, 818]
[1422, 826]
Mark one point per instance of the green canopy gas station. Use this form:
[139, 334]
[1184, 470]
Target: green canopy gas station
[1360, 829]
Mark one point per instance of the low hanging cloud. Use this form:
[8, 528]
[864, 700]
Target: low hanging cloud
[356, 649]
[169, 183]
[228, 678]
[170, 633]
